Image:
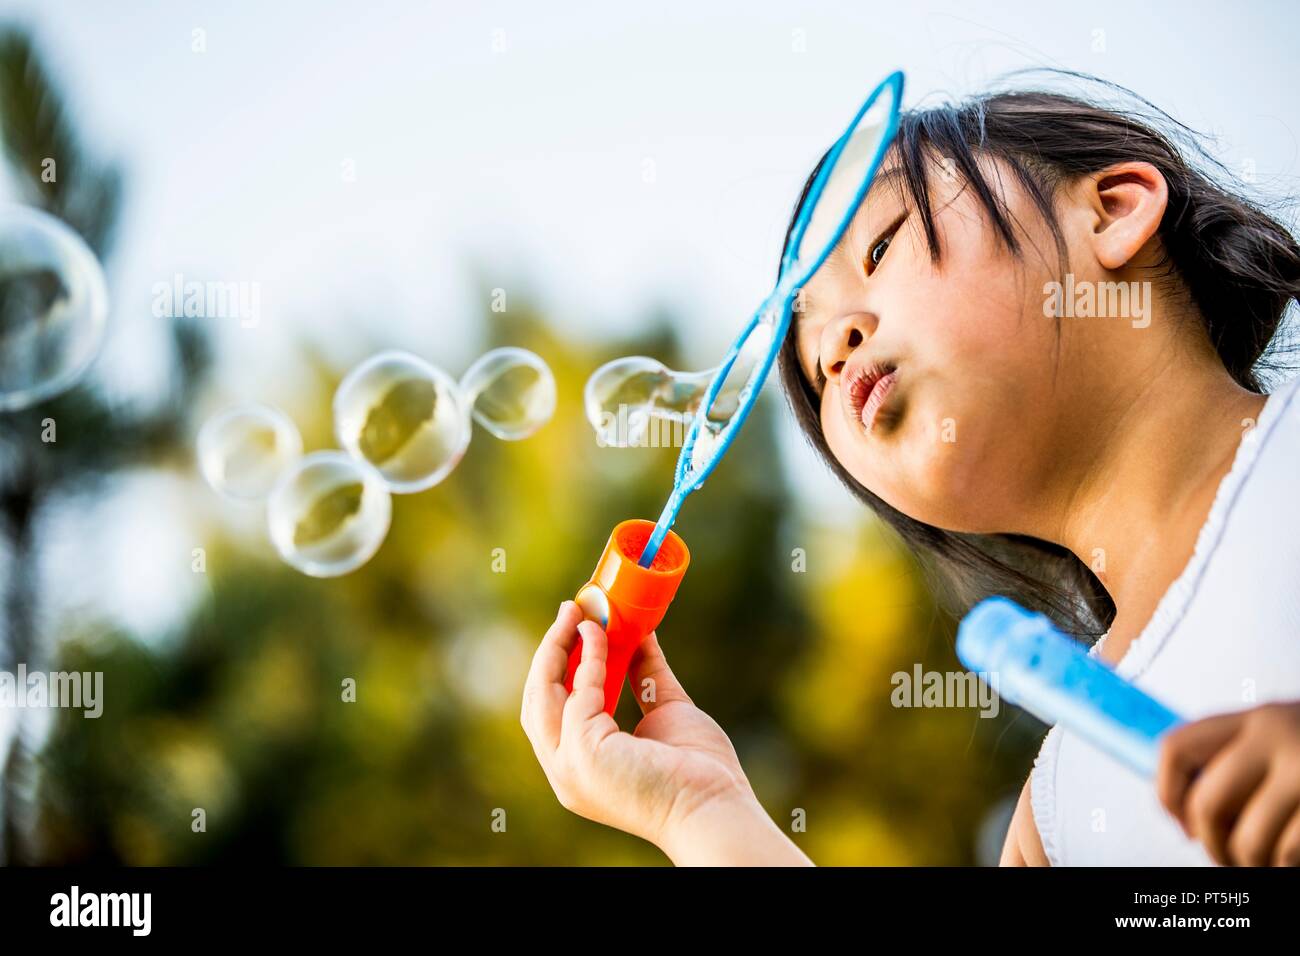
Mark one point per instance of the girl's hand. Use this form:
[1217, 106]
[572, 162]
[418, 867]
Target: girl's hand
[675, 781]
[1233, 782]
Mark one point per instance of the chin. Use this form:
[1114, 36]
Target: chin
[937, 496]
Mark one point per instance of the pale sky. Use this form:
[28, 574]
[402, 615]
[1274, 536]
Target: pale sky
[531, 163]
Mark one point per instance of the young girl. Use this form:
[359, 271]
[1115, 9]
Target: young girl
[1036, 355]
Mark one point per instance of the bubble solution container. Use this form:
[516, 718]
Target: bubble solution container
[627, 600]
[1035, 666]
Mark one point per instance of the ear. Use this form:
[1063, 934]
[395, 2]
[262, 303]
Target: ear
[1127, 202]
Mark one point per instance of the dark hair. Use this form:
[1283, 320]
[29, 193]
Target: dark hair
[1238, 264]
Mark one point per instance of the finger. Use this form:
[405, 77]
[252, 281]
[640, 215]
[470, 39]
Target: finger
[550, 660]
[1287, 851]
[544, 693]
[1183, 752]
[653, 682]
[587, 702]
[1255, 837]
[595, 649]
[1218, 794]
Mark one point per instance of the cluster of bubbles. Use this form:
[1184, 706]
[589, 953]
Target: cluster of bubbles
[53, 307]
[403, 425]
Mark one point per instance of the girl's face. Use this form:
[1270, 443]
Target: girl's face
[970, 410]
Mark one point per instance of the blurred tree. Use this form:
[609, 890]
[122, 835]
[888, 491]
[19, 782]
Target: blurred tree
[95, 437]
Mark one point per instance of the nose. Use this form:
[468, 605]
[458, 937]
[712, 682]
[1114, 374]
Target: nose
[840, 337]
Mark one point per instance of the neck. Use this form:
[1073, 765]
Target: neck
[1134, 497]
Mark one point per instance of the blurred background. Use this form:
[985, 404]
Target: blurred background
[386, 172]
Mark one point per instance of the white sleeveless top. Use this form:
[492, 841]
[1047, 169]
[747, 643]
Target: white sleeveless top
[1224, 637]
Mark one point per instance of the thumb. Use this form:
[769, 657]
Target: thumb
[649, 665]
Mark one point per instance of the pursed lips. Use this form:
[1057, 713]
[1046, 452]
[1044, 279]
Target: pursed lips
[865, 388]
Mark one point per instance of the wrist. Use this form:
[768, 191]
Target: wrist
[731, 830]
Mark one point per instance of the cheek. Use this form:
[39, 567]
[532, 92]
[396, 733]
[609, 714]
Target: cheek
[896, 471]
[969, 313]
[916, 472]
[973, 331]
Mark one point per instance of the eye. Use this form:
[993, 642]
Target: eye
[878, 251]
[882, 244]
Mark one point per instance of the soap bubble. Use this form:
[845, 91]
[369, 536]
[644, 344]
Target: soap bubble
[329, 514]
[706, 441]
[623, 398]
[511, 392]
[53, 307]
[734, 393]
[403, 416]
[244, 450]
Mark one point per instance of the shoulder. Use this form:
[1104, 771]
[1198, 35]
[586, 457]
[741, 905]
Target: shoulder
[1023, 846]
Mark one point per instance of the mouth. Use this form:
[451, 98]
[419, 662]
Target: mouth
[867, 388]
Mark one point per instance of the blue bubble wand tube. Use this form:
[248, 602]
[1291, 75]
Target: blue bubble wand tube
[1035, 666]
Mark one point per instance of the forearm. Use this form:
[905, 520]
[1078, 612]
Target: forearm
[731, 833]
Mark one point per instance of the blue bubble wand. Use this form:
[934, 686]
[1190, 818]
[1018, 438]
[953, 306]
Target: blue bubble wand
[833, 199]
